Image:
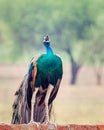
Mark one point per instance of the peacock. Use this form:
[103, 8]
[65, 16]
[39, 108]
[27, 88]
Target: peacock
[39, 88]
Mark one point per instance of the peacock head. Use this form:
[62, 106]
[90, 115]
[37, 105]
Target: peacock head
[46, 41]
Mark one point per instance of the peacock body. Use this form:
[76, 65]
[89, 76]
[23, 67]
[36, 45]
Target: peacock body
[49, 69]
[44, 71]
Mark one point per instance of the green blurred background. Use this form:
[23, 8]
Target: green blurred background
[76, 30]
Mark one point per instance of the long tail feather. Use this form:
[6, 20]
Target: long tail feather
[21, 110]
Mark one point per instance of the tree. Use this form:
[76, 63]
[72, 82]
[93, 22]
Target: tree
[95, 56]
[72, 32]
[68, 23]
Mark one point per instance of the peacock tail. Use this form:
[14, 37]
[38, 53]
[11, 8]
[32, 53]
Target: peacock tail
[21, 110]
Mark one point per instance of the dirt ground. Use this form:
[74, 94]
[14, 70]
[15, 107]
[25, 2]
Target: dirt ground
[83, 103]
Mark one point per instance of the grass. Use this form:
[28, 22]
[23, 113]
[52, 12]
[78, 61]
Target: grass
[5, 112]
[82, 104]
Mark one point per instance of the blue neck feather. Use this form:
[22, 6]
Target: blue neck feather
[49, 50]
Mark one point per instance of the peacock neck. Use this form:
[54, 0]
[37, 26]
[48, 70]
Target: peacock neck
[49, 50]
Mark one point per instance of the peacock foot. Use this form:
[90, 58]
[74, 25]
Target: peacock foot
[51, 125]
[33, 122]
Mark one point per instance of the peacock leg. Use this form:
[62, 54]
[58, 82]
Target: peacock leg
[49, 90]
[32, 105]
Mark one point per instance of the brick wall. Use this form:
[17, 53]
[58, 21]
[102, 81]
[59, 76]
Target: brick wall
[51, 127]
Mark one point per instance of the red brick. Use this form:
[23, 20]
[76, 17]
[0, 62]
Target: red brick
[100, 127]
[16, 127]
[5, 127]
[62, 127]
[82, 127]
[33, 127]
[29, 127]
[43, 127]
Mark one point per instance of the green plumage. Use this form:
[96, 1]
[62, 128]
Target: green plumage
[49, 70]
